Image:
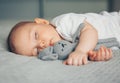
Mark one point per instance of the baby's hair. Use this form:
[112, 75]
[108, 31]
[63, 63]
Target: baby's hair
[11, 47]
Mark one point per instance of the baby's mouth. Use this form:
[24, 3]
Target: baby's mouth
[51, 42]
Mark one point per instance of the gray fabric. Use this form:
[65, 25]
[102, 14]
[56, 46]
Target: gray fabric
[22, 69]
[63, 48]
[110, 42]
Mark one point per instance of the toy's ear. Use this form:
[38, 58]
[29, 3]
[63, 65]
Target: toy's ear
[40, 20]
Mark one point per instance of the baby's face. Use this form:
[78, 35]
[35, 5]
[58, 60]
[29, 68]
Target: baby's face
[33, 37]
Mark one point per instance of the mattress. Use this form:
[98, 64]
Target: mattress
[16, 68]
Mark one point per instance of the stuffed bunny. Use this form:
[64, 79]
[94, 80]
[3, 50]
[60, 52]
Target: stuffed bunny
[63, 48]
[60, 51]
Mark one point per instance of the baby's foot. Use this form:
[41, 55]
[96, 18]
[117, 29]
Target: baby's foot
[103, 54]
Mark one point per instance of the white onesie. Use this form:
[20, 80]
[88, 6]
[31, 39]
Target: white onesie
[107, 24]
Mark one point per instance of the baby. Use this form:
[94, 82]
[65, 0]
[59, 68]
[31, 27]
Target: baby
[31, 37]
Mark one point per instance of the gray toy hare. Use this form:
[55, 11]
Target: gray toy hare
[63, 48]
[60, 51]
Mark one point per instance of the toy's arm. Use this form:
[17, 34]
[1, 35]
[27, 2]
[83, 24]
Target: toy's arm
[108, 42]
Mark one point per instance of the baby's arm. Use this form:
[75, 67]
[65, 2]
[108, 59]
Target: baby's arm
[87, 41]
[102, 54]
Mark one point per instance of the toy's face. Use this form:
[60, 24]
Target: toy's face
[63, 47]
[60, 50]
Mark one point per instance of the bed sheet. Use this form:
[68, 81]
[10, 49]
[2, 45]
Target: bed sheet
[15, 68]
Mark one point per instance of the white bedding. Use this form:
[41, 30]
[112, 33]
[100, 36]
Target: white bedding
[22, 69]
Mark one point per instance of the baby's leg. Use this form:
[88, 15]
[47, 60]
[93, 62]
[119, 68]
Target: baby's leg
[103, 54]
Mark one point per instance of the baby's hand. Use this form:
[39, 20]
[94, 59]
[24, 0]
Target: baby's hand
[103, 54]
[76, 58]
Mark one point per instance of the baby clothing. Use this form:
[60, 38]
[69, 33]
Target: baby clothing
[70, 25]
[107, 24]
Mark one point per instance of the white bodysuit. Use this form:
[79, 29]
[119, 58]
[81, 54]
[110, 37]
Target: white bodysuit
[107, 24]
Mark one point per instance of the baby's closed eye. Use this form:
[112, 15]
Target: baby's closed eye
[36, 36]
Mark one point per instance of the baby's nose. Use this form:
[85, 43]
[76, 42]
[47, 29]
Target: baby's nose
[42, 44]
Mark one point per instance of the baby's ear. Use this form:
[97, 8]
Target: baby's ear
[40, 20]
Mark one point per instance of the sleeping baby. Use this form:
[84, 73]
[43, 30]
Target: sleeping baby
[85, 34]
